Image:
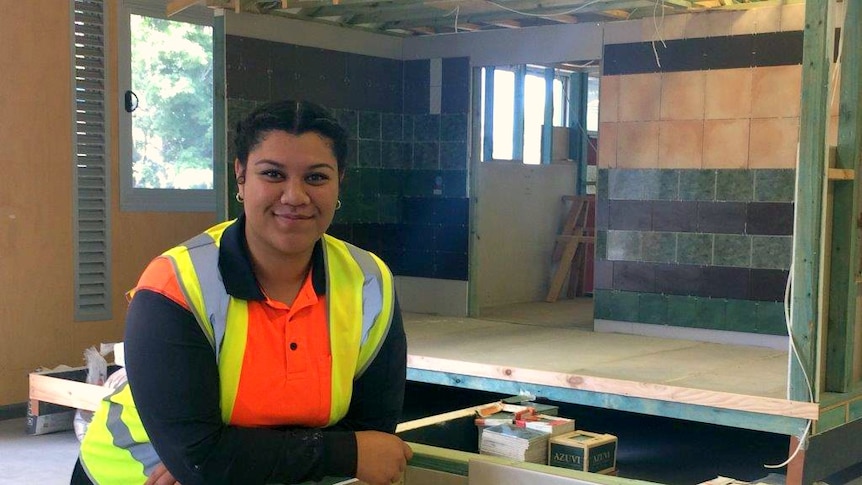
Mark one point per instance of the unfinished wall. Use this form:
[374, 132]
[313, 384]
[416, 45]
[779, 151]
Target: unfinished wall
[697, 162]
[520, 216]
[37, 326]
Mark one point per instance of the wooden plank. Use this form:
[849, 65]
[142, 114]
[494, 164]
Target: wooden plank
[509, 24]
[677, 410]
[840, 174]
[439, 418]
[809, 204]
[176, 6]
[643, 390]
[66, 392]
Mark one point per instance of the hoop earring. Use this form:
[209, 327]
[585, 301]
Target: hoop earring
[239, 198]
[338, 204]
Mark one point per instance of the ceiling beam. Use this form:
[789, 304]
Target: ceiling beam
[509, 24]
[564, 19]
[176, 6]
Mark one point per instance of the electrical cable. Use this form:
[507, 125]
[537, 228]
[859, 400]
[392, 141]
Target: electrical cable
[657, 33]
[547, 15]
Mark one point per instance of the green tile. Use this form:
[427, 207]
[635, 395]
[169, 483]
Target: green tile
[831, 419]
[602, 185]
[652, 308]
[658, 247]
[770, 318]
[668, 185]
[651, 183]
[392, 182]
[741, 315]
[681, 310]
[418, 183]
[693, 248]
[367, 208]
[625, 184]
[624, 306]
[601, 245]
[624, 246]
[771, 252]
[774, 185]
[734, 185]
[697, 185]
[855, 410]
[369, 181]
[732, 250]
[602, 304]
[711, 313]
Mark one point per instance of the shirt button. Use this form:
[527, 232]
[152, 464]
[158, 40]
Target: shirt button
[293, 346]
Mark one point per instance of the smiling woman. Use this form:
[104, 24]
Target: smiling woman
[263, 350]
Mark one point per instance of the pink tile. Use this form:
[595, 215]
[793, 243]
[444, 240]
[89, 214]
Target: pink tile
[609, 98]
[637, 145]
[680, 144]
[725, 143]
[728, 94]
[682, 95]
[773, 143]
[776, 91]
[607, 145]
[640, 96]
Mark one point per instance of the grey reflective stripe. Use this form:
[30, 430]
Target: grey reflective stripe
[204, 256]
[372, 289]
[122, 436]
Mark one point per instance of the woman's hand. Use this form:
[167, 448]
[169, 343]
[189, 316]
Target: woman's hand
[381, 457]
[161, 476]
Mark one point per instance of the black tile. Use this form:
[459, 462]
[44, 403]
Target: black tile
[603, 275]
[778, 49]
[418, 263]
[729, 52]
[678, 279]
[682, 55]
[341, 231]
[724, 282]
[349, 120]
[247, 67]
[629, 59]
[451, 237]
[450, 265]
[450, 210]
[456, 70]
[453, 127]
[629, 215]
[674, 216]
[367, 236]
[417, 236]
[455, 98]
[770, 218]
[395, 259]
[454, 183]
[417, 85]
[768, 284]
[369, 181]
[721, 217]
[396, 154]
[369, 153]
[631, 276]
[392, 182]
[417, 210]
[389, 238]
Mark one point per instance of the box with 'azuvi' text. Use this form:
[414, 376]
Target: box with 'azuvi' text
[584, 451]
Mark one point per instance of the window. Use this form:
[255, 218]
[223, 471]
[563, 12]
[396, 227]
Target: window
[90, 146]
[166, 124]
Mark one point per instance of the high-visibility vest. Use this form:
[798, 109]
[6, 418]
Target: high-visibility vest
[360, 301]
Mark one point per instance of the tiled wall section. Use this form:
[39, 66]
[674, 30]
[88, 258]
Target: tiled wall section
[404, 193]
[697, 163]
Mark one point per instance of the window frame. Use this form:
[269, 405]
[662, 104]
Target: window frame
[134, 199]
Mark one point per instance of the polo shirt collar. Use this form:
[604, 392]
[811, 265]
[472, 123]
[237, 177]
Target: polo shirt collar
[236, 269]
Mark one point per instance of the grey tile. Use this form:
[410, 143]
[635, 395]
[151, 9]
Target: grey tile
[625, 184]
[771, 252]
[369, 125]
[732, 250]
[426, 155]
[734, 185]
[624, 245]
[658, 247]
[692, 248]
[697, 185]
[392, 127]
[776, 185]
[453, 155]
[651, 182]
[602, 186]
[601, 245]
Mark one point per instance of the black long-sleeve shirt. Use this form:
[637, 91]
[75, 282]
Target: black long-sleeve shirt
[175, 383]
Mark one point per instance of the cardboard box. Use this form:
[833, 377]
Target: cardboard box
[584, 451]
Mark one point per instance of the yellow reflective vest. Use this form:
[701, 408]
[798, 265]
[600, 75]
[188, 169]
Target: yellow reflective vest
[360, 302]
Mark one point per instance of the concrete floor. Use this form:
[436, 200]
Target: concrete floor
[35, 460]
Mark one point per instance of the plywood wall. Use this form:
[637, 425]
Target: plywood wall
[37, 326]
[520, 214]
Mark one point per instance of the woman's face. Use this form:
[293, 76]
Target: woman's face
[290, 191]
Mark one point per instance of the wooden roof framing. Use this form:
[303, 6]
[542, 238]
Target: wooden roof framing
[429, 17]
